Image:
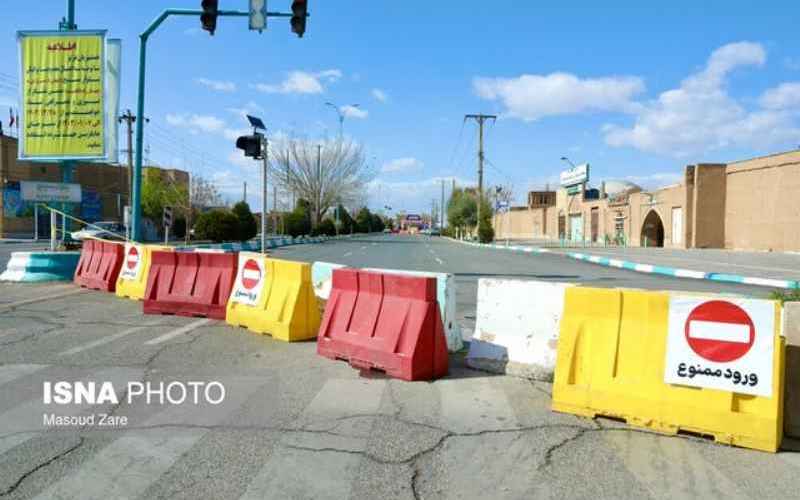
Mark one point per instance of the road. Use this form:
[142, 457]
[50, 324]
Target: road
[295, 425]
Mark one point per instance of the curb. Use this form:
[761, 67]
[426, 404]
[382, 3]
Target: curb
[649, 268]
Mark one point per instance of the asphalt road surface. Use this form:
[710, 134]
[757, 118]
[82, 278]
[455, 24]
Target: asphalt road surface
[295, 425]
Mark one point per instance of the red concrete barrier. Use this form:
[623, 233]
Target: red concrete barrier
[190, 283]
[387, 322]
[99, 265]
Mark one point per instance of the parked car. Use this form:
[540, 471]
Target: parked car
[107, 230]
[387, 230]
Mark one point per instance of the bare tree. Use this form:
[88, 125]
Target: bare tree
[324, 173]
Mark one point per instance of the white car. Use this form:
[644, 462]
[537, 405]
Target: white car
[102, 230]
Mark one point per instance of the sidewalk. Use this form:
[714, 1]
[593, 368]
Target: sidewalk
[769, 269]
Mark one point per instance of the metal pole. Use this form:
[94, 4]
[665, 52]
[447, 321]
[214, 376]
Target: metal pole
[53, 230]
[136, 209]
[264, 196]
[35, 222]
[319, 187]
[441, 218]
[480, 171]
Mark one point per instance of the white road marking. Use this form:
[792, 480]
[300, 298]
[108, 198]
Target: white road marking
[347, 254]
[179, 331]
[104, 340]
[364, 247]
[129, 465]
[12, 305]
[334, 473]
[440, 261]
[13, 372]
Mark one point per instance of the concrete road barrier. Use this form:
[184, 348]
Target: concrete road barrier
[791, 330]
[321, 275]
[516, 328]
[40, 266]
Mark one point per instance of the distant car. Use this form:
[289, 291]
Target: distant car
[103, 230]
[434, 232]
[387, 230]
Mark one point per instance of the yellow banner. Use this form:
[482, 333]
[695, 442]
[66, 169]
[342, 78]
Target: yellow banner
[63, 108]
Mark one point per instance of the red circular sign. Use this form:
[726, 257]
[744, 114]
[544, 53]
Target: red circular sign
[719, 331]
[251, 274]
[133, 258]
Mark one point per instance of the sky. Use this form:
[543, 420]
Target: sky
[635, 89]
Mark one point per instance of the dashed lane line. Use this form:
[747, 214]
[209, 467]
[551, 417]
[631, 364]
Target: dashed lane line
[105, 340]
[179, 331]
[44, 298]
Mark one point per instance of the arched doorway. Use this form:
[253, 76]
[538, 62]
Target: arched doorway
[652, 230]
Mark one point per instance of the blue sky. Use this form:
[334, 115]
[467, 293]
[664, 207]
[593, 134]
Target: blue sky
[637, 89]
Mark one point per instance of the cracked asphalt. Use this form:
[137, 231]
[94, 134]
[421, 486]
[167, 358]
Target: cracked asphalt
[295, 425]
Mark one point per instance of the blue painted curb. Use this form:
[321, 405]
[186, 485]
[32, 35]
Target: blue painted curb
[651, 268]
[41, 266]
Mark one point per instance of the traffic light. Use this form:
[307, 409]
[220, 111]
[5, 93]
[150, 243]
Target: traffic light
[251, 145]
[208, 19]
[299, 14]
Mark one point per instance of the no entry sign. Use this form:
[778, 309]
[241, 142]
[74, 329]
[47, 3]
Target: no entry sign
[251, 274]
[725, 344]
[249, 280]
[133, 262]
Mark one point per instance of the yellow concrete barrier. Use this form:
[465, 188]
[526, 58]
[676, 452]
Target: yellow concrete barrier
[611, 362]
[275, 297]
[132, 279]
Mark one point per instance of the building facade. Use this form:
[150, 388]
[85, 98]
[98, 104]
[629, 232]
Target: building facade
[745, 205]
[104, 192]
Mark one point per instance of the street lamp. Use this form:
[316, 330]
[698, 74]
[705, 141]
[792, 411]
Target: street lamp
[339, 112]
[564, 158]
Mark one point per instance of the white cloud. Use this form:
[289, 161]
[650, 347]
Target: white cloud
[233, 133]
[353, 111]
[195, 123]
[785, 95]
[655, 180]
[237, 157]
[411, 196]
[301, 82]
[218, 85]
[701, 116]
[379, 95]
[530, 97]
[402, 165]
[250, 108]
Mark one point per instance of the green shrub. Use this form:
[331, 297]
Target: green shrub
[325, 227]
[247, 226]
[485, 232]
[782, 296]
[217, 226]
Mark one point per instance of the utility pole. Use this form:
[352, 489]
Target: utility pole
[318, 193]
[441, 219]
[244, 194]
[274, 207]
[129, 119]
[480, 118]
[264, 194]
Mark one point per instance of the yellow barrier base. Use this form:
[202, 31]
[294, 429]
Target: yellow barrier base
[132, 281]
[286, 308]
[610, 362]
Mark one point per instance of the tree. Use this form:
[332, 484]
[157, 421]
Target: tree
[247, 226]
[346, 223]
[217, 226]
[298, 221]
[364, 220]
[324, 174]
[462, 210]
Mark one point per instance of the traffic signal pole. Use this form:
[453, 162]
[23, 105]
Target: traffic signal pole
[136, 208]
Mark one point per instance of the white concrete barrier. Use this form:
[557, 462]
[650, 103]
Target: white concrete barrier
[516, 327]
[791, 330]
[446, 297]
[321, 274]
